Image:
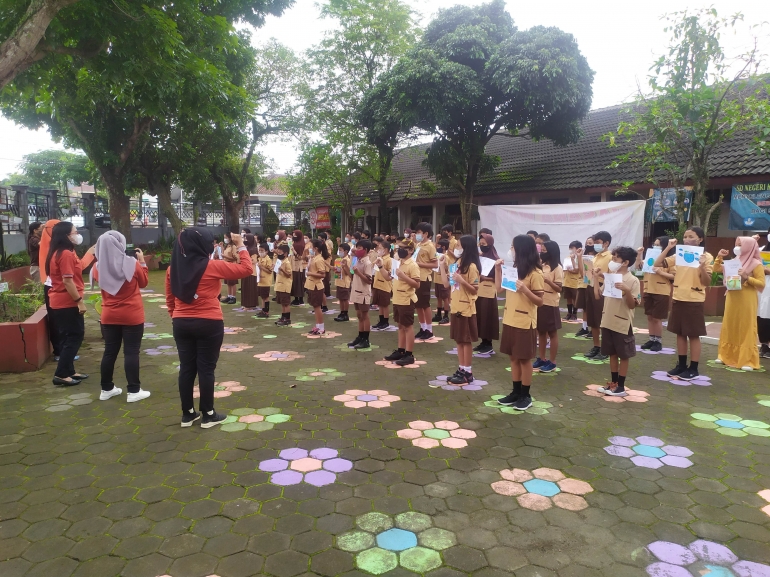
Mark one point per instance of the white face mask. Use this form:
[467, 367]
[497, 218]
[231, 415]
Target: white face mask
[227, 241]
[340, 253]
[511, 254]
[458, 252]
[768, 238]
[270, 245]
[614, 266]
[418, 238]
[572, 252]
[276, 237]
[310, 251]
[262, 254]
[76, 239]
[737, 251]
[598, 247]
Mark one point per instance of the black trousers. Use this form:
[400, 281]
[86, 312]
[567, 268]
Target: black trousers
[71, 327]
[53, 330]
[131, 337]
[198, 342]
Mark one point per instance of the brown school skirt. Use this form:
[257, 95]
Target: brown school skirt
[343, 294]
[548, 319]
[656, 306]
[298, 284]
[580, 300]
[263, 292]
[423, 295]
[249, 292]
[328, 284]
[569, 293]
[687, 319]
[594, 309]
[315, 297]
[487, 318]
[463, 330]
[380, 298]
[403, 315]
[283, 299]
[519, 344]
[442, 292]
[618, 344]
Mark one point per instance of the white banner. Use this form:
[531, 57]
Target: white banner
[624, 220]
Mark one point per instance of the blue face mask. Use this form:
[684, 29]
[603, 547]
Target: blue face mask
[418, 237]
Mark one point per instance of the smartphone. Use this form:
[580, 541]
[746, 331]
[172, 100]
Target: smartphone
[130, 250]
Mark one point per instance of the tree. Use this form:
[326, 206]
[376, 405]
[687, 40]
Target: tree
[55, 168]
[698, 99]
[473, 76]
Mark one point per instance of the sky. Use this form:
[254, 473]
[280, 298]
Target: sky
[619, 40]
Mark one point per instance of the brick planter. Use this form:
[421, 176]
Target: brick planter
[25, 345]
[16, 277]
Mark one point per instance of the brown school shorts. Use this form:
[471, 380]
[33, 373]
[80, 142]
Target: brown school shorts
[594, 309]
[361, 307]
[263, 292]
[618, 344]
[519, 344]
[343, 294]
[380, 298]
[423, 295]
[442, 292]
[283, 299]
[656, 306]
[315, 297]
[403, 315]
[687, 319]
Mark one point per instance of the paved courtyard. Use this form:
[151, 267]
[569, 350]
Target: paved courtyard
[334, 462]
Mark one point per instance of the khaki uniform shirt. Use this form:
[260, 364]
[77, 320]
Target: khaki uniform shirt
[550, 296]
[601, 261]
[520, 312]
[265, 277]
[574, 278]
[344, 280]
[687, 285]
[403, 294]
[317, 265]
[360, 291]
[283, 277]
[463, 302]
[427, 253]
[379, 280]
[617, 316]
[654, 284]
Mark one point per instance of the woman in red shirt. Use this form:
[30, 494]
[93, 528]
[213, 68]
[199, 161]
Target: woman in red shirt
[193, 283]
[120, 278]
[65, 271]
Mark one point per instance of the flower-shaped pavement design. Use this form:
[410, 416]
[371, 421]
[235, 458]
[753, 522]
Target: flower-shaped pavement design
[149, 325]
[700, 558]
[663, 351]
[253, 419]
[441, 382]
[766, 496]
[714, 365]
[430, 435]
[235, 347]
[377, 399]
[347, 349]
[382, 543]
[537, 408]
[170, 369]
[156, 336]
[68, 402]
[475, 355]
[162, 350]
[582, 357]
[316, 374]
[730, 425]
[156, 300]
[649, 452]
[542, 488]
[221, 390]
[326, 335]
[244, 309]
[234, 330]
[284, 356]
[634, 396]
[764, 400]
[392, 365]
[433, 340]
[319, 467]
[701, 381]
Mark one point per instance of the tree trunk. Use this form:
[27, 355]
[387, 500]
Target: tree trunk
[120, 213]
[384, 214]
[232, 210]
[163, 194]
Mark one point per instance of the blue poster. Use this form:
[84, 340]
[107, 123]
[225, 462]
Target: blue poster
[664, 205]
[750, 206]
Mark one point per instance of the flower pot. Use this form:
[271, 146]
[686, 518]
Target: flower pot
[715, 301]
[25, 345]
[162, 265]
[151, 261]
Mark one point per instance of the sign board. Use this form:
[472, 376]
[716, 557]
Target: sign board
[664, 204]
[750, 206]
[319, 217]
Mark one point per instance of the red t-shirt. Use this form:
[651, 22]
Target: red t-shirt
[66, 265]
[207, 306]
[125, 307]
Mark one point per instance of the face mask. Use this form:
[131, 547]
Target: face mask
[353, 242]
[270, 245]
[281, 256]
[361, 253]
[440, 250]
[458, 252]
[418, 238]
[310, 251]
[340, 253]
[485, 248]
[598, 247]
[511, 254]
[737, 251]
[381, 251]
[77, 239]
[393, 246]
[347, 240]
[539, 247]
[227, 241]
[276, 237]
[262, 254]
[403, 253]
[544, 256]
[572, 252]
[614, 266]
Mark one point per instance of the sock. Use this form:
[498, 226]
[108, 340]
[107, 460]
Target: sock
[425, 326]
[621, 381]
[320, 326]
[408, 353]
[210, 413]
[382, 319]
[683, 361]
[614, 377]
[439, 310]
[569, 309]
[467, 369]
[365, 335]
[360, 334]
[288, 316]
[266, 308]
[402, 351]
[585, 325]
[517, 387]
[524, 390]
[694, 365]
[192, 410]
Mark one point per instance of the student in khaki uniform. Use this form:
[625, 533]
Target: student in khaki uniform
[657, 297]
[383, 285]
[361, 292]
[283, 280]
[585, 258]
[548, 316]
[487, 314]
[519, 339]
[405, 284]
[687, 319]
[230, 254]
[463, 328]
[316, 272]
[265, 264]
[618, 321]
[574, 289]
[595, 304]
[426, 261]
[442, 292]
[343, 283]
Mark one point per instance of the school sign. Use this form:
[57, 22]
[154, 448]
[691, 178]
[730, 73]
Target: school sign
[750, 206]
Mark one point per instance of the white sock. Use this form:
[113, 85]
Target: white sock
[585, 325]
[466, 369]
[320, 326]
[429, 327]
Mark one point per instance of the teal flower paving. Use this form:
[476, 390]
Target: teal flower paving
[543, 488]
[409, 540]
[730, 425]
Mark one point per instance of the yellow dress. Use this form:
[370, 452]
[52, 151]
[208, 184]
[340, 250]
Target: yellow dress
[738, 339]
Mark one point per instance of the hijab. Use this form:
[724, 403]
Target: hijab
[115, 267]
[45, 244]
[189, 259]
[281, 237]
[492, 253]
[750, 257]
[298, 242]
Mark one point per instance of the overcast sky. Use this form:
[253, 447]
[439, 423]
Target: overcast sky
[619, 40]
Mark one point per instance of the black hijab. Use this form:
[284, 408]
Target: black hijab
[189, 260]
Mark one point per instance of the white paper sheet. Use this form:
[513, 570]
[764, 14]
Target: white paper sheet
[394, 268]
[733, 279]
[567, 266]
[510, 276]
[277, 266]
[486, 265]
[649, 259]
[688, 255]
[609, 285]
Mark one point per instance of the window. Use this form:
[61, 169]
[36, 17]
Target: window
[554, 201]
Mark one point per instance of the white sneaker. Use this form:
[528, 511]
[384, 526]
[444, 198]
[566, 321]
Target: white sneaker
[719, 362]
[114, 392]
[134, 397]
[747, 369]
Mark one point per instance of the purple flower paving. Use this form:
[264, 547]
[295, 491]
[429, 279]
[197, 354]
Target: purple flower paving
[700, 558]
[649, 452]
[701, 381]
[318, 467]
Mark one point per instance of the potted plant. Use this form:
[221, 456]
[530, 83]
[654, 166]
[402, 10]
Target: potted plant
[23, 329]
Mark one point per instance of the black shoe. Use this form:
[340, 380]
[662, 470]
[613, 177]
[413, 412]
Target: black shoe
[65, 383]
[676, 371]
[362, 344]
[355, 341]
[341, 318]
[262, 315]
[689, 374]
[380, 326]
[444, 320]
[461, 378]
[427, 335]
[209, 421]
[510, 399]
[436, 318]
[189, 418]
[582, 333]
[324, 309]
[283, 322]
[523, 403]
[656, 347]
[484, 349]
[295, 302]
[395, 355]
[407, 359]
[646, 346]
[593, 352]
[477, 348]
[419, 335]
[601, 357]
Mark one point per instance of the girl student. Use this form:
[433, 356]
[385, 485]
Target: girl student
[585, 268]
[548, 316]
[574, 289]
[265, 265]
[405, 284]
[443, 292]
[316, 272]
[283, 282]
[463, 328]
[426, 261]
[230, 255]
[486, 299]
[329, 263]
[383, 285]
[299, 257]
[343, 282]
[361, 293]
[687, 319]
[249, 296]
[657, 297]
[519, 340]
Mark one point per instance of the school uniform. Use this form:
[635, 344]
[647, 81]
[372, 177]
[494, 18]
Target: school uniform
[427, 253]
[343, 282]
[657, 295]
[441, 291]
[618, 323]
[249, 296]
[313, 285]
[548, 315]
[595, 305]
[265, 278]
[487, 313]
[687, 318]
[361, 291]
[283, 283]
[463, 327]
[328, 278]
[382, 288]
[574, 288]
[298, 267]
[404, 295]
[519, 339]
[230, 254]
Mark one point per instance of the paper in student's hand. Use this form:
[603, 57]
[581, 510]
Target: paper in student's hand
[731, 275]
[452, 270]
[486, 265]
[277, 266]
[510, 276]
[609, 285]
[567, 266]
[259, 272]
[688, 256]
[395, 267]
[649, 258]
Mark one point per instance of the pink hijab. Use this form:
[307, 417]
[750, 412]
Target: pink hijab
[750, 257]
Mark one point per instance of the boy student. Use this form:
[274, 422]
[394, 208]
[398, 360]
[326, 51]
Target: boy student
[283, 280]
[361, 293]
[426, 261]
[442, 291]
[594, 298]
[405, 283]
[383, 285]
[265, 264]
[548, 317]
[314, 284]
[343, 283]
[618, 320]
[574, 290]
[587, 250]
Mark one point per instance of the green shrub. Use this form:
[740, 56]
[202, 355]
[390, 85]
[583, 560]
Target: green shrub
[18, 307]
